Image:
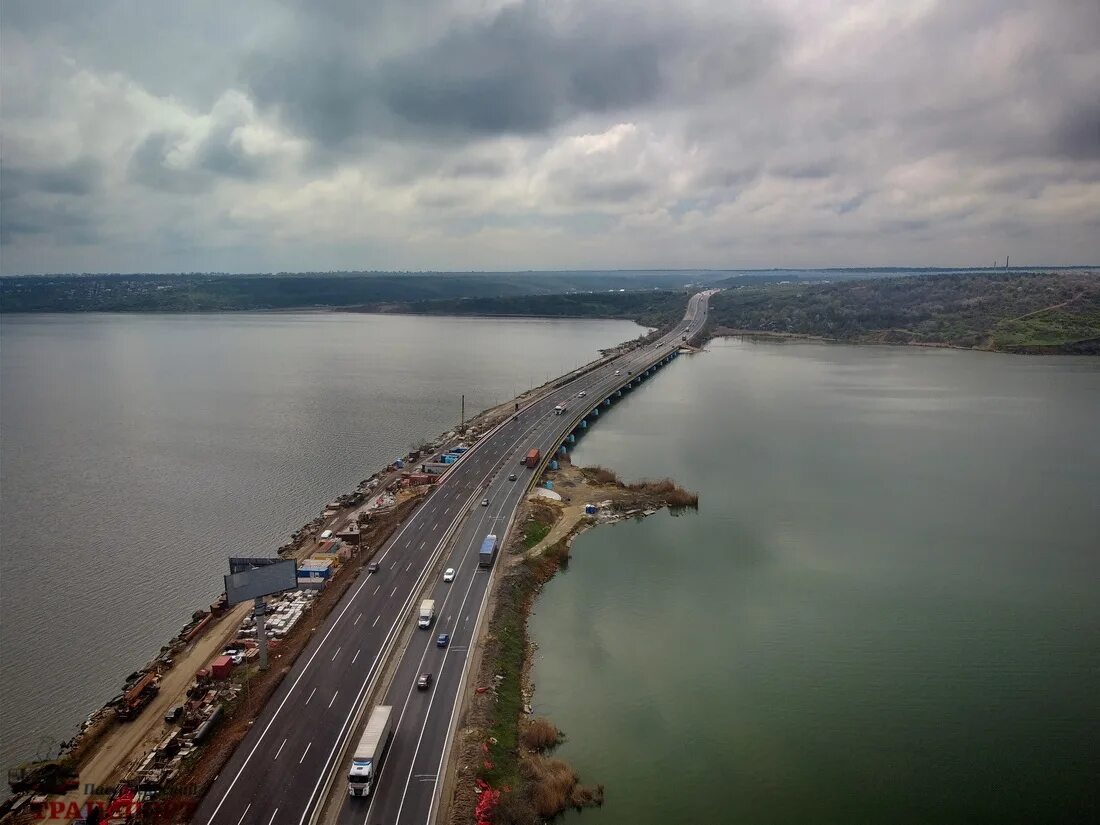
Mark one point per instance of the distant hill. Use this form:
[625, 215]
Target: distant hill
[649, 307]
[219, 292]
[1039, 313]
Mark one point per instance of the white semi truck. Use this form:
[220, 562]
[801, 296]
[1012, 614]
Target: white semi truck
[427, 613]
[366, 762]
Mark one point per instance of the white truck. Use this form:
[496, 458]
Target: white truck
[366, 762]
[427, 613]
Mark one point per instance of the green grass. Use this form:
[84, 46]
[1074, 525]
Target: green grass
[508, 663]
[534, 532]
[1048, 329]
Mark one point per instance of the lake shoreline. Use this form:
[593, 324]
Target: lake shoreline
[1091, 346]
[513, 747]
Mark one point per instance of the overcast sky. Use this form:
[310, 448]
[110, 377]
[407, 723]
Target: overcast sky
[488, 134]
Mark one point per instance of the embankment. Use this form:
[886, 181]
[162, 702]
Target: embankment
[504, 771]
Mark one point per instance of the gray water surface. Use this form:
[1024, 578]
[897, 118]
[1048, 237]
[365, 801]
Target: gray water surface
[885, 610]
[139, 452]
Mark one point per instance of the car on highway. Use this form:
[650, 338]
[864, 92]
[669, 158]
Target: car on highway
[373, 567]
[442, 639]
[485, 502]
[512, 477]
[449, 574]
[618, 372]
[424, 682]
[582, 394]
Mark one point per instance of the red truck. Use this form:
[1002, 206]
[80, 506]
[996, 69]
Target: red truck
[532, 459]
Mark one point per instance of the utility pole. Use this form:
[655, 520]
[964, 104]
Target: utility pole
[1006, 262]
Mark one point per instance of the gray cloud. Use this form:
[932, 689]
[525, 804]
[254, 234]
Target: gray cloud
[526, 69]
[77, 177]
[547, 133]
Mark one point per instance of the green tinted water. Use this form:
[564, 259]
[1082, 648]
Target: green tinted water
[884, 611]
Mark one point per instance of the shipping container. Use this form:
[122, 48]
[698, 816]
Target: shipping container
[221, 667]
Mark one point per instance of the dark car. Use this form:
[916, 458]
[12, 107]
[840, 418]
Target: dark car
[174, 714]
[512, 477]
[424, 682]
[373, 567]
[442, 639]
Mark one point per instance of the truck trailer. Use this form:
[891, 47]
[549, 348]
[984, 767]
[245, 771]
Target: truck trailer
[427, 613]
[532, 458]
[366, 762]
[488, 552]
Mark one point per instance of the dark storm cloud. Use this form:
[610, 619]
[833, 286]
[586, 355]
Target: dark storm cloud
[1077, 135]
[524, 70]
[78, 177]
[218, 155]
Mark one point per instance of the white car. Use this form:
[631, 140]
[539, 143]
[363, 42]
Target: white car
[449, 574]
[618, 372]
[582, 394]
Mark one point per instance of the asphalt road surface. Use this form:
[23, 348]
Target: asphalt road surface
[278, 773]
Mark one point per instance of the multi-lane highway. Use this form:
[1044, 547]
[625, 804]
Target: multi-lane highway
[286, 763]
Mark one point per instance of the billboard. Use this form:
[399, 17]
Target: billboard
[252, 577]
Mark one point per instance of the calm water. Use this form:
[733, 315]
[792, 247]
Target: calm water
[886, 610]
[139, 452]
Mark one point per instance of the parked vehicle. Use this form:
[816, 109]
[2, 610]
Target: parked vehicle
[137, 697]
[327, 534]
[366, 761]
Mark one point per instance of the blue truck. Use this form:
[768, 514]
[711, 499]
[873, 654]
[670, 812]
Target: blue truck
[488, 553]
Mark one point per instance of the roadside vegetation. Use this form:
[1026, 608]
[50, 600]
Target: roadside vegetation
[664, 490]
[1015, 312]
